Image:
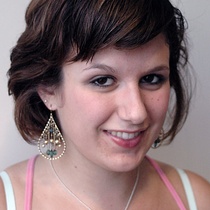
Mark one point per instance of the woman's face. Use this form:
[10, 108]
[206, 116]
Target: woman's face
[112, 108]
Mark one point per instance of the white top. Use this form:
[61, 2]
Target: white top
[9, 193]
[188, 189]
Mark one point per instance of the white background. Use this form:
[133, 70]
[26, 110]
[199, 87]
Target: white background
[191, 148]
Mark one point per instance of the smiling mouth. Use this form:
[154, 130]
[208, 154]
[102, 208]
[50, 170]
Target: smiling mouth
[124, 135]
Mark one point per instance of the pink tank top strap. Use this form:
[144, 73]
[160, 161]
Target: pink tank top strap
[29, 183]
[167, 183]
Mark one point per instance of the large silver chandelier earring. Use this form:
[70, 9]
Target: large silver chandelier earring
[51, 144]
[157, 143]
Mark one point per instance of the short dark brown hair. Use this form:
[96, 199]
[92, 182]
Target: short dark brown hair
[54, 28]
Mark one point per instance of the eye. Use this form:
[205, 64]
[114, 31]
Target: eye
[152, 79]
[103, 81]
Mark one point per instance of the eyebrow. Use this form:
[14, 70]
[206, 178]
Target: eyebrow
[110, 69]
[100, 66]
[159, 68]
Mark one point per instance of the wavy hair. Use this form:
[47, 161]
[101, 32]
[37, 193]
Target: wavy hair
[55, 28]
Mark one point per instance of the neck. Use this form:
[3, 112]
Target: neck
[85, 180]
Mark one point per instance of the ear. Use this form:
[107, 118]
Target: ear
[48, 96]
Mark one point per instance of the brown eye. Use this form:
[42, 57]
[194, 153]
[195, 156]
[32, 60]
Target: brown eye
[152, 79]
[103, 81]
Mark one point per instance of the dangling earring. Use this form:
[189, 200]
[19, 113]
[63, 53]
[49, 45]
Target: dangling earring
[51, 144]
[157, 143]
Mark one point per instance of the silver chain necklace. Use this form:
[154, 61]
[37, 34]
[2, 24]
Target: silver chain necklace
[84, 204]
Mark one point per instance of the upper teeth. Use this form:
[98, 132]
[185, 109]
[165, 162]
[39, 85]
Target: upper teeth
[124, 135]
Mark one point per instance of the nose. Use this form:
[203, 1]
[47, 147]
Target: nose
[131, 105]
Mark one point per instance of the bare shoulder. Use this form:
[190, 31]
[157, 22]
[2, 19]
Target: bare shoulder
[175, 180]
[201, 190]
[17, 172]
[16, 175]
[2, 196]
[200, 186]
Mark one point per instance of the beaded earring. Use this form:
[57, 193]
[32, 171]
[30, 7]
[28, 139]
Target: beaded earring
[157, 143]
[51, 144]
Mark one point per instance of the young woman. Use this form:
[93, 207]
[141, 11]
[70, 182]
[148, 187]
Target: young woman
[92, 83]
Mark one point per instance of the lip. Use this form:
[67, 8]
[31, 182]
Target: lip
[125, 139]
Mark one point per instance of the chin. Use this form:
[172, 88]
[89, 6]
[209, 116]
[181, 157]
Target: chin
[124, 163]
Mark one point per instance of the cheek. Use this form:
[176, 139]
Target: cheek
[86, 106]
[157, 105]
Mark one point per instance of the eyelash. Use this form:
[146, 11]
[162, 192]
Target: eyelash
[159, 79]
[96, 81]
[101, 81]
